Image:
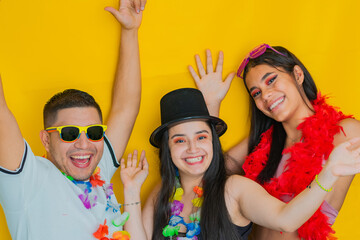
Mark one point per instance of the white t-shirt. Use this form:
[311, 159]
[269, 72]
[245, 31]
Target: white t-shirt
[41, 203]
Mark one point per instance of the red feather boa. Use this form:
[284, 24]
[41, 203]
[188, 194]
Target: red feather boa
[305, 162]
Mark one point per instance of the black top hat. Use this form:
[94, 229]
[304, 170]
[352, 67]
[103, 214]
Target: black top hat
[181, 105]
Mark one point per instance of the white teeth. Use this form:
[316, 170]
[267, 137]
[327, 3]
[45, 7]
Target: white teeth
[81, 157]
[193, 160]
[83, 163]
[274, 105]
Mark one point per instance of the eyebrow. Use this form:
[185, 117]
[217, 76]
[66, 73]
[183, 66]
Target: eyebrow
[182, 135]
[262, 79]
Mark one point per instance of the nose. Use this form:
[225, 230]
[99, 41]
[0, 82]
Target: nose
[82, 142]
[266, 94]
[192, 147]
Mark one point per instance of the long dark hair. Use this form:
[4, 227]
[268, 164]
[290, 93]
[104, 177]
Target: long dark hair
[260, 122]
[215, 221]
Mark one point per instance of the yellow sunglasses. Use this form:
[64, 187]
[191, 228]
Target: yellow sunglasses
[71, 133]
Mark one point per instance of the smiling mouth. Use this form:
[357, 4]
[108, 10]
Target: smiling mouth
[194, 160]
[82, 161]
[276, 103]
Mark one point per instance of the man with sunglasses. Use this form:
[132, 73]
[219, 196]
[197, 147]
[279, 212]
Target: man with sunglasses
[68, 195]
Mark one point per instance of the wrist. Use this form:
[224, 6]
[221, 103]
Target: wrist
[326, 179]
[214, 108]
[132, 190]
[129, 31]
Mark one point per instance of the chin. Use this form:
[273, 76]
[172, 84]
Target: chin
[82, 174]
[82, 177]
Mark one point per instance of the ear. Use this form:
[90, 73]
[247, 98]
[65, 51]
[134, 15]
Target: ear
[298, 74]
[45, 139]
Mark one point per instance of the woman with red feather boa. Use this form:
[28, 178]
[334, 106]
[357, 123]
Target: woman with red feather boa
[287, 108]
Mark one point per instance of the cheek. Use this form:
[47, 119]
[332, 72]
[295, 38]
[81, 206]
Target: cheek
[57, 147]
[174, 151]
[208, 148]
[99, 147]
[259, 104]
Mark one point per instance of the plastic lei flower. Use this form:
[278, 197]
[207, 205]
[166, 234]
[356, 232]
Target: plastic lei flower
[95, 179]
[87, 200]
[179, 192]
[193, 228]
[121, 235]
[121, 220]
[108, 188]
[102, 231]
[199, 191]
[170, 231]
[176, 207]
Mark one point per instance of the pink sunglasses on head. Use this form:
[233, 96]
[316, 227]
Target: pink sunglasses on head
[255, 53]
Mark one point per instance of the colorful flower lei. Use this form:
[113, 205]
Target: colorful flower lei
[88, 198]
[193, 228]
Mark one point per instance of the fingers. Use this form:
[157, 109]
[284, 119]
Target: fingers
[229, 78]
[199, 66]
[354, 144]
[209, 62]
[129, 161]
[220, 62]
[114, 12]
[194, 74]
[143, 160]
[111, 10]
[134, 158]
[139, 5]
[142, 156]
[347, 170]
[122, 163]
[142, 5]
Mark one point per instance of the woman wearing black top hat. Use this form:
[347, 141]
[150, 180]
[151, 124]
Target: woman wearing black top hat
[196, 200]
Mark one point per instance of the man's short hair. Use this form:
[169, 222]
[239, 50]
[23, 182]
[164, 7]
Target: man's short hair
[67, 99]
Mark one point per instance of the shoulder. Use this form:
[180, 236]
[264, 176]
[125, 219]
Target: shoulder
[349, 123]
[237, 185]
[350, 129]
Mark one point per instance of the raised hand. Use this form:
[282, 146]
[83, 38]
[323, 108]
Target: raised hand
[210, 82]
[129, 14]
[345, 158]
[133, 174]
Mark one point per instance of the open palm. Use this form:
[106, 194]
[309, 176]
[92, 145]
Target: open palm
[345, 158]
[129, 13]
[133, 174]
[210, 82]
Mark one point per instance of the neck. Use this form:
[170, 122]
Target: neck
[189, 182]
[290, 126]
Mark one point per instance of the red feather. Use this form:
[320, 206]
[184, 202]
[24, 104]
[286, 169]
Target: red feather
[305, 162]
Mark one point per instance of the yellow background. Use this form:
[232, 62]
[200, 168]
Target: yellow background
[47, 46]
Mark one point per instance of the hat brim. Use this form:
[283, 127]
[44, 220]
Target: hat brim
[220, 127]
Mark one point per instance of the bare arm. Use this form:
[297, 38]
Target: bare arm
[11, 146]
[260, 207]
[133, 176]
[127, 86]
[210, 82]
[214, 90]
[235, 157]
[148, 212]
[351, 129]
